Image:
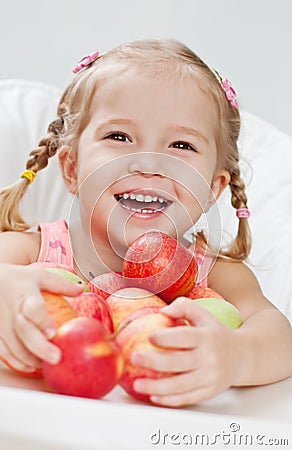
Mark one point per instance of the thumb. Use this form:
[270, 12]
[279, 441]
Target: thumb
[186, 308]
[56, 284]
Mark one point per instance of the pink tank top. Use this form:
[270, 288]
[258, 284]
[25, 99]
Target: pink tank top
[55, 244]
[56, 250]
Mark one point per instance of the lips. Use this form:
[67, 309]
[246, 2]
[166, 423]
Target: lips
[145, 203]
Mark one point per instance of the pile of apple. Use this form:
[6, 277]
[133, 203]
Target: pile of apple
[98, 330]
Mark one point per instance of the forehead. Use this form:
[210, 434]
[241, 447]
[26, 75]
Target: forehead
[131, 92]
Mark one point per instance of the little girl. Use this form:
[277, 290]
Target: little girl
[146, 136]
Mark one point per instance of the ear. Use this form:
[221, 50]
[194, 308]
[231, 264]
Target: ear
[219, 183]
[68, 165]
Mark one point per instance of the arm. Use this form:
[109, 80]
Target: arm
[265, 338]
[208, 357]
[25, 325]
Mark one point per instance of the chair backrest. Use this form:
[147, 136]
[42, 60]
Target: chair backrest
[26, 108]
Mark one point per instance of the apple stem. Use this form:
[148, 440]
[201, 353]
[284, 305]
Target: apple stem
[118, 330]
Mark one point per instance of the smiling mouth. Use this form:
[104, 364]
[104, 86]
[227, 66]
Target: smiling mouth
[140, 203]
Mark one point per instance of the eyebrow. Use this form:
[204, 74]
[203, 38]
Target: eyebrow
[192, 132]
[115, 122]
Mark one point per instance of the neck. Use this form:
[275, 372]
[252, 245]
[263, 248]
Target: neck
[92, 257]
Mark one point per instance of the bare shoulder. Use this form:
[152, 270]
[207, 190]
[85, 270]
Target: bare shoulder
[225, 271]
[19, 247]
[236, 282]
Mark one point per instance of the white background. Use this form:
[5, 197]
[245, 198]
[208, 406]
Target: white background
[248, 41]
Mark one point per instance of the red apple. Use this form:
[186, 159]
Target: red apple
[91, 362]
[203, 292]
[107, 283]
[134, 337]
[160, 264]
[89, 304]
[125, 301]
[138, 313]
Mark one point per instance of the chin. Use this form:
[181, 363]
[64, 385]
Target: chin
[123, 229]
[172, 225]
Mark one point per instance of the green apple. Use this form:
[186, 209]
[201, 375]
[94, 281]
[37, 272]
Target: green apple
[227, 313]
[69, 276]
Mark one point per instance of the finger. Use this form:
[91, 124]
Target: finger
[11, 361]
[52, 282]
[20, 351]
[176, 390]
[35, 340]
[182, 337]
[171, 385]
[33, 309]
[187, 398]
[165, 361]
[190, 310]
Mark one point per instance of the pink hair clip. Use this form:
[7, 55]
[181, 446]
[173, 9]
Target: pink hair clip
[228, 89]
[243, 213]
[230, 92]
[85, 61]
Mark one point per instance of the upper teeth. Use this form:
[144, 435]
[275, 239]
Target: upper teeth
[143, 198]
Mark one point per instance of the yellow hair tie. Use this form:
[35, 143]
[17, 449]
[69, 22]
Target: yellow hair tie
[28, 174]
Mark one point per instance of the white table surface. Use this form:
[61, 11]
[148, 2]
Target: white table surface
[32, 418]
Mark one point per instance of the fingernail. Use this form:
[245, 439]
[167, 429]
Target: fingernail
[136, 359]
[50, 332]
[54, 356]
[155, 399]
[30, 369]
[153, 335]
[166, 308]
[138, 386]
[169, 309]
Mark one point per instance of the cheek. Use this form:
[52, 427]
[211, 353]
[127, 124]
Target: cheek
[194, 188]
[90, 190]
[93, 178]
[102, 170]
[192, 178]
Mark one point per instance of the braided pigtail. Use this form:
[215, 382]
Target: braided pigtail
[241, 245]
[10, 197]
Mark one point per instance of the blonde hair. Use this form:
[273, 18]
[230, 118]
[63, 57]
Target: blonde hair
[162, 59]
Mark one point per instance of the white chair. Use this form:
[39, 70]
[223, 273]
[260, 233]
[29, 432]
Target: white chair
[26, 108]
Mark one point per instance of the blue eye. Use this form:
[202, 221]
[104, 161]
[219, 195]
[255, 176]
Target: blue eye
[181, 145]
[118, 136]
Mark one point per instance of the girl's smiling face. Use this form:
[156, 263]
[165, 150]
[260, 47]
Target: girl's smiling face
[147, 159]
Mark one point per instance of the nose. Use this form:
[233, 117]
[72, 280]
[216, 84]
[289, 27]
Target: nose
[147, 164]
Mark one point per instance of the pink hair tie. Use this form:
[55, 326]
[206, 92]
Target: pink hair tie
[85, 61]
[243, 213]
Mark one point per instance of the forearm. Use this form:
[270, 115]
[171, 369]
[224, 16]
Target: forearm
[264, 349]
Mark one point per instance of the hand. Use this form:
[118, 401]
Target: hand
[202, 357]
[25, 325]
